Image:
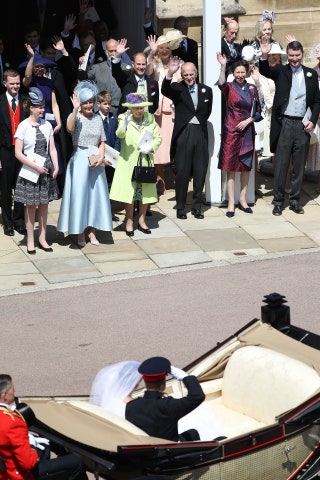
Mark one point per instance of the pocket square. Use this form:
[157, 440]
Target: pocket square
[206, 100]
[153, 93]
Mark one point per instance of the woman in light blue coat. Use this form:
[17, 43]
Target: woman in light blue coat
[132, 125]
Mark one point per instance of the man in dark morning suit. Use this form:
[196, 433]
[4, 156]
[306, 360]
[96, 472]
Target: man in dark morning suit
[296, 92]
[189, 144]
[188, 48]
[229, 47]
[136, 81]
[158, 414]
[11, 114]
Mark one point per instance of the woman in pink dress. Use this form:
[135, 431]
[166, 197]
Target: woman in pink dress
[158, 64]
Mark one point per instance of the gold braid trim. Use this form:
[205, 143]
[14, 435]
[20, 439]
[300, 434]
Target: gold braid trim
[11, 413]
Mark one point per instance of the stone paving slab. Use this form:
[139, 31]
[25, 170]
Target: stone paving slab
[286, 244]
[223, 239]
[168, 245]
[67, 269]
[113, 268]
[21, 268]
[265, 230]
[16, 282]
[175, 259]
[117, 256]
[11, 256]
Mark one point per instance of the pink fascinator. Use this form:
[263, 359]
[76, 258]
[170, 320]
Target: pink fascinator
[268, 15]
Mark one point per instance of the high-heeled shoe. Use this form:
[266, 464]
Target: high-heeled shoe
[45, 249]
[129, 233]
[93, 239]
[244, 209]
[32, 252]
[229, 214]
[147, 231]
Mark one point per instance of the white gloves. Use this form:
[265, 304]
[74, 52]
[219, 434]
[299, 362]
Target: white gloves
[127, 119]
[178, 373]
[146, 149]
[38, 442]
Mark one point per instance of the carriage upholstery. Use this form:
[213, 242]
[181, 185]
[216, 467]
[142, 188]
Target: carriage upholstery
[258, 385]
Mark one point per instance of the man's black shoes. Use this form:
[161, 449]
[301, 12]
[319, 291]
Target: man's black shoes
[277, 210]
[8, 230]
[196, 212]
[181, 214]
[296, 208]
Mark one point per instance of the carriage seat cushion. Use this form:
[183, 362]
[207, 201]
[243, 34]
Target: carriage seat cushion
[261, 383]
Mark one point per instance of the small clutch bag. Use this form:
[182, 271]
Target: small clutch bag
[93, 159]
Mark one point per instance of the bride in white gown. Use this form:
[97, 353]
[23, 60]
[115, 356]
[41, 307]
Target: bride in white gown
[113, 385]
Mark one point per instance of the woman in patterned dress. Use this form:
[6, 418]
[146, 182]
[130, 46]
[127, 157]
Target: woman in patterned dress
[35, 135]
[85, 204]
[237, 140]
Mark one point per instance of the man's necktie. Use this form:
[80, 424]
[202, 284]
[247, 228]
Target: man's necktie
[13, 104]
[233, 51]
[141, 86]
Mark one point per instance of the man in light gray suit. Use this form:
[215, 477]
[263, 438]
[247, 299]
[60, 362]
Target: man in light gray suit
[101, 74]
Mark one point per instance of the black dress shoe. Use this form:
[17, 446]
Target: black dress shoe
[115, 218]
[129, 233]
[244, 209]
[45, 249]
[181, 214]
[21, 230]
[277, 210]
[196, 212]
[31, 252]
[8, 231]
[144, 230]
[296, 208]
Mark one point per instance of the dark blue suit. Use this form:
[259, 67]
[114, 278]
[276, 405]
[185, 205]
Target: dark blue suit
[112, 140]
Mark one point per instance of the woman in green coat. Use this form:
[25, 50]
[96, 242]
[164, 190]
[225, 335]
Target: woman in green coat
[132, 125]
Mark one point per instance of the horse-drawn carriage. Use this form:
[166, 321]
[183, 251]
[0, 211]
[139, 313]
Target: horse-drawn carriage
[262, 406]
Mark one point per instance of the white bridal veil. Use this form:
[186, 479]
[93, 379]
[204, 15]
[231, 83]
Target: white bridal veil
[113, 384]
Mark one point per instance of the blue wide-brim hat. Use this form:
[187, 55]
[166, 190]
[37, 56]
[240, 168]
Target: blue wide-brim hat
[86, 90]
[38, 60]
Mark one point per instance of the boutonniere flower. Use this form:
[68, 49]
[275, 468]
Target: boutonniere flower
[309, 74]
[152, 86]
[203, 90]
[128, 67]
[7, 65]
